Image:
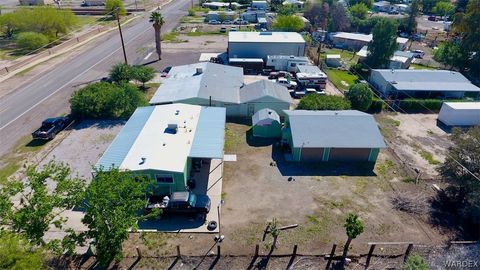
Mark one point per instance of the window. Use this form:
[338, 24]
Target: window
[164, 178]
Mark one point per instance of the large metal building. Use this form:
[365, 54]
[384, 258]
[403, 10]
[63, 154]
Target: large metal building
[347, 136]
[460, 113]
[261, 44]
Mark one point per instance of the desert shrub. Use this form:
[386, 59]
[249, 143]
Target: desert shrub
[30, 41]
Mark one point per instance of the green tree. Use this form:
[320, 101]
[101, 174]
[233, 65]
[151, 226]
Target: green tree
[462, 166]
[359, 11]
[30, 41]
[451, 54]
[143, 74]
[323, 102]
[466, 27]
[360, 96]
[444, 9]
[115, 8]
[44, 194]
[368, 3]
[17, 253]
[9, 23]
[354, 227]
[290, 23]
[113, 201]
[383, 44]
[121, 73]
[286, 10]
[410, 21]
[415, 262]
[157, 21]
[428, 5]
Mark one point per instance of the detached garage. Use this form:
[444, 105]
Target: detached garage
[348, 136]
[460, 113]
[266, 124]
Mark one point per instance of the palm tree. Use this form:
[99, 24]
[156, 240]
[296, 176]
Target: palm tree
[157, 19]
[354, 227]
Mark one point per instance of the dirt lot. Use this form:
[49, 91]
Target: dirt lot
[417, 139]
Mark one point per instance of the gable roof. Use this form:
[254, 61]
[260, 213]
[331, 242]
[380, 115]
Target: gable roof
[269, 37]
[263, 88]
[265, 114]
[428, 80]
[215, 80]
[334, 129]
[144, 143]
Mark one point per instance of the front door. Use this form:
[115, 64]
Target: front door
[251, 109]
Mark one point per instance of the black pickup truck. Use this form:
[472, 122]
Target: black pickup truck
[51, 127]
[181, 203]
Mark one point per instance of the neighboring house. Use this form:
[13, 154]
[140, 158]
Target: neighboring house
[382, 6]
[286, 62]
[311, 77]
[266, 124]
[36, 2]
[460, 113]
[420, 83]
[314, 136]
[333, 60]
[295, 3]
[262, 44]
[253, 16]
[220, 15]
[216, 85]
[94, 3]
[399, 60]
[402, 7]
[218, 5]
[260, 5]
[162, 143]
[355, 41]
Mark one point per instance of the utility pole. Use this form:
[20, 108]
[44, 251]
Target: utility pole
[117, 14]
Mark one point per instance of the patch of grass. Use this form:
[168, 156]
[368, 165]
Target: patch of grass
[388, 126]
[347, 56]
[360, 186]
[191, 19]
[384, 168]
[150, 90]
[9, 169]
[232, 140]
[25, 71]
[341, 79]
[154, 240]
[172, 37]
[223, 195]
[429, 157]
[204, 33]
[418, 66]
[408, 180]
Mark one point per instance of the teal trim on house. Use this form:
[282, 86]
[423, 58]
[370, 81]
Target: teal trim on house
[326, 154]
[373, 154]
[296, 153]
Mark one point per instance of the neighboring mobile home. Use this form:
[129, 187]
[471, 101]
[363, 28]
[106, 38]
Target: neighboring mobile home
[460, 113]
[314, 136]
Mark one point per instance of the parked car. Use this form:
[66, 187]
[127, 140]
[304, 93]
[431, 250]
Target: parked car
[227, 22]
[418, 54]
[223, 29]
[287, 83]
[165, 72]
[51, 127]
[240, 21]
[432, 18]
[214, 22]
[233, 28]
[279, 74]
[183, 202]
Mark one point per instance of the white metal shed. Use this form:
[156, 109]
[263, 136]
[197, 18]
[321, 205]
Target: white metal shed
[460, 113]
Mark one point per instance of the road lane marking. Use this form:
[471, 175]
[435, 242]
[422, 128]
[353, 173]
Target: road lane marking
[148, 56]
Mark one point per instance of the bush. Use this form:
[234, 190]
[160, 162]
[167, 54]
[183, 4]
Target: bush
[104, 100]
[360, 96]
[415, 262]
[290, 23]
[143, 74]
[318, 102]
[420, 105]
[30, 41]
[377, 106]
[122, 73]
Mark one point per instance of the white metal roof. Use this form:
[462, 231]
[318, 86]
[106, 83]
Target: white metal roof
[307, 71]
[145, 143]
[363, 37]
[267, 37]
[463, 105]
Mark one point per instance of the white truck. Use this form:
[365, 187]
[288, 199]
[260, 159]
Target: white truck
[286, 62]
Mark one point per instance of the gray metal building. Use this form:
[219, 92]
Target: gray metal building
[261, 44]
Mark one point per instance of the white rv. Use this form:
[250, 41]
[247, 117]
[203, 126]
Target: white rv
[286, 62]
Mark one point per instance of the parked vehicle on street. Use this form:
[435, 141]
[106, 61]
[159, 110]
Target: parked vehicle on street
[279, 74]
[233, 28]
[223, 29]
[214, 22]
[165, 72]
[240, 22]
[183, 202]
[287, 83]
[418, 54]
[51, 127]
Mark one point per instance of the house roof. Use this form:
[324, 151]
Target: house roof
[265, 116]
[463, 105]
[382, 3]
[362, 37]
[268, 37]
[263, 88]
[146, 143]
[217, 81]
[334, 129]
[403, 54]
[308, 71]
[428, 80]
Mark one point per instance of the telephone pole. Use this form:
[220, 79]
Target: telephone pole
[117, 15]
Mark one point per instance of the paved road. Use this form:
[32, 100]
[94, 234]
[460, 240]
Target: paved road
[48, 94]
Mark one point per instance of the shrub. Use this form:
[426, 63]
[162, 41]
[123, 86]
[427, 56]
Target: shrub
[290, 23]
[415, 262]
[360, 96]
[31, 41]
[318, 102]
[122, 73]
[377, 106]
[105, 100]
[420, 105]
[143, 74]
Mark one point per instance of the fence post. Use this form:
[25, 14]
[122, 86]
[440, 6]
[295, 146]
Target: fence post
[218, 250]
[330, 258]
[407, 252]
[369, 256]
[256, 250]
[138, 252]
[178, 252]
[294, 254]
